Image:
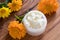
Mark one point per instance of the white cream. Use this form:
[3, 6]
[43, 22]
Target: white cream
[35, 22]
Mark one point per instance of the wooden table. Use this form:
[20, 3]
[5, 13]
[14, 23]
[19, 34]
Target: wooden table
[53, 27]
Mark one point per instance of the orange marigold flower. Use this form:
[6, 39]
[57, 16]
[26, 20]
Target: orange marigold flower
[16, 5]
[48, 6]
[16, 30]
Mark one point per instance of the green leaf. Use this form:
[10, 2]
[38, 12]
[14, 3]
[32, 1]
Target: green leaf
[8, 1]
[19, 18]
[5, 3]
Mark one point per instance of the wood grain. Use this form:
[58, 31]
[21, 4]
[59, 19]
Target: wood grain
[52, 30]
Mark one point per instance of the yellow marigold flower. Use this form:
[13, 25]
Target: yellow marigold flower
[16, 30]
[48, 6]
[16, 5]
[4, 12]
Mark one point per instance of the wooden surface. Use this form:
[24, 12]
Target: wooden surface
[52, 30]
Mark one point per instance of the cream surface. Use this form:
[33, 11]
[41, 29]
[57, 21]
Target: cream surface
[35, 22]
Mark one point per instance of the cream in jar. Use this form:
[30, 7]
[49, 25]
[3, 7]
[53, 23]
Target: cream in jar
[35, 22]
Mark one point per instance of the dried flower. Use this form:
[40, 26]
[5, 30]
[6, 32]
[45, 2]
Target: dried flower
[4, 12]
[16, 30]
[16, 5]
[48, 6]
